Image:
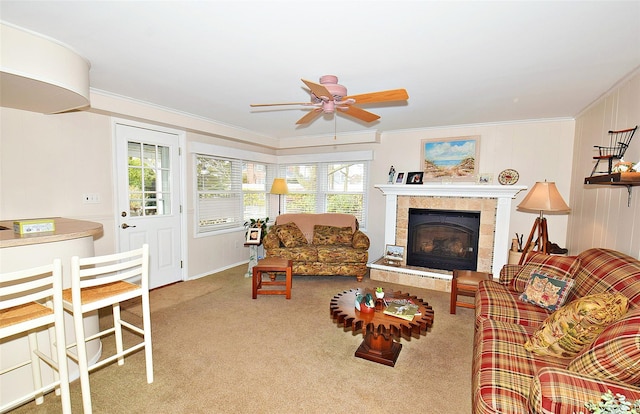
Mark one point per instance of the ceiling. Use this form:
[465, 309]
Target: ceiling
[461, 62]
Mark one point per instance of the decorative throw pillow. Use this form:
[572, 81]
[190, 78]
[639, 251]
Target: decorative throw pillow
[290, 235]
[569, 329]
[331, 235]
[563, 266]
[546, 291]
[615, 353]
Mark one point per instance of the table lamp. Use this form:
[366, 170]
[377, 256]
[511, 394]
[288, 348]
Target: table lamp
[543, 197]
[279, 187]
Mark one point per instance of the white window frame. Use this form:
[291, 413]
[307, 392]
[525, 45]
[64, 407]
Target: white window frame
[234, 193]
[274, 165]
[230, 154]
[322, 184]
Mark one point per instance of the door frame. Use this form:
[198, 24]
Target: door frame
[184, 270]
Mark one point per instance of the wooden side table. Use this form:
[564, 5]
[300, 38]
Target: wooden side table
[465, 283]
[272, 265]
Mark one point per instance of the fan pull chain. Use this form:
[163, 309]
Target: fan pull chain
[335, 126]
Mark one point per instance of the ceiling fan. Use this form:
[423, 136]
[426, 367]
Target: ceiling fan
[328, 96]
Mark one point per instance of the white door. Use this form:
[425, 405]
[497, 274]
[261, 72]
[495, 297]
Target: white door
[148, 193]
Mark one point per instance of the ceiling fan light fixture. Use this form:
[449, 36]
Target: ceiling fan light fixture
[329, 107]
[328, 96]
[331, 83]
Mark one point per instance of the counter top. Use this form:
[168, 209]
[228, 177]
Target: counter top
[66, 229]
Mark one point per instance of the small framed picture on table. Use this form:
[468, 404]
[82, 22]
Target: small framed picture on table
[400, 178]
[253, 235]
[394, 255]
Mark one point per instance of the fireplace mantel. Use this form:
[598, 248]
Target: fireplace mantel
[452, 190]
[503, 193]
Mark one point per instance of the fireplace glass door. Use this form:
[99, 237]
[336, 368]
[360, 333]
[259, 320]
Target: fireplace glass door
[443, 239]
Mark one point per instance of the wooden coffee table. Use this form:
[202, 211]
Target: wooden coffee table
[379, 329]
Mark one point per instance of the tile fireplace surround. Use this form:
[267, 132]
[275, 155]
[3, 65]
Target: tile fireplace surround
[493, 202]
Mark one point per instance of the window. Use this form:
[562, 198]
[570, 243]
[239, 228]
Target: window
[346, 189]
[254, 190]
[230, 192]
[302, 183]
[327, 187]
[149, 184]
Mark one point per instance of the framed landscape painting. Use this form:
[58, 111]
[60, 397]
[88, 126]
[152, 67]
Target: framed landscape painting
[450, 159]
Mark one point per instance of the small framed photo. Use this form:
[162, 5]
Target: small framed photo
[400, 178]
[253, 235]
[485, 178]
[415, 177]
[394, 253]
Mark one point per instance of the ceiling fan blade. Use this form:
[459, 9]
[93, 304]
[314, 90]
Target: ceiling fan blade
[281, 104]
[318, 90]
[359, 113]
[382, 96]
[311, 116]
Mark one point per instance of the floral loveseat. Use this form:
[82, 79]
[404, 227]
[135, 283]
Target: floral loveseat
[319, 244]
[528, 359]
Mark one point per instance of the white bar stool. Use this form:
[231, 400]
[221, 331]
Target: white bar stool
[32, 299]
[99, 282]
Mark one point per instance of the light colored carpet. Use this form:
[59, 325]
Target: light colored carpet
[222, 352]
[174, 295]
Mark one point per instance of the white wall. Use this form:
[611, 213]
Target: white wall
[601, 216]
[538, 150]
[48, 161]
[207, 253]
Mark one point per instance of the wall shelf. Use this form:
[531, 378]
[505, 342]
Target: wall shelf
[627, 179]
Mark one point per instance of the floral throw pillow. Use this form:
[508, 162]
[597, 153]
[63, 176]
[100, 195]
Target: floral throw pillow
[563, 266]
[331, 235]
[546, 291]
[290, 235]
[572, 327]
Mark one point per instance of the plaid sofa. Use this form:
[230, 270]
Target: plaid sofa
[506, 378]
[319, 244]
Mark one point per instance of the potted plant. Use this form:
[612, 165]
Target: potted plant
[379, 292]
[613, 404]
[258, 223]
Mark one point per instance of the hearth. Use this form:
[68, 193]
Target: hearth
[493, 202]
[443, 239]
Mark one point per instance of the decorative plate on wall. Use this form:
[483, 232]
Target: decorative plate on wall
[508, 177]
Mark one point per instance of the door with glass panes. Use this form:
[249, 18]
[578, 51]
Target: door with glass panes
[148, 193]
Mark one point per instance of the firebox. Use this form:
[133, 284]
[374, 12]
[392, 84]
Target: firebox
[443, 239]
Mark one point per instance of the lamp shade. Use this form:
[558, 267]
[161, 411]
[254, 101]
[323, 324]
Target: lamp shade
[279, 186]
[544, 196]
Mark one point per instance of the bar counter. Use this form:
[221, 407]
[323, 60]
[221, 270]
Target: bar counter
[66, 229]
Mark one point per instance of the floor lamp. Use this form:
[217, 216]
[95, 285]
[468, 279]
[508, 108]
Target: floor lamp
[543, 197]
[279, 187]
